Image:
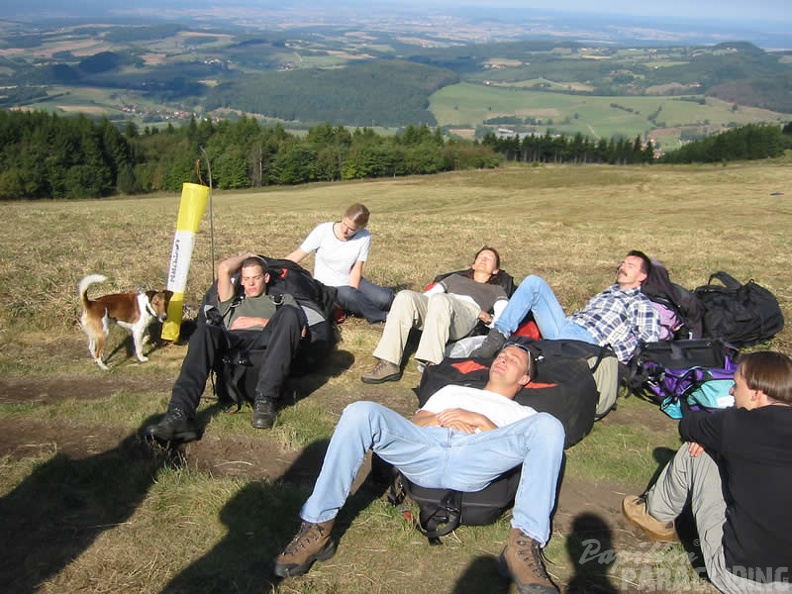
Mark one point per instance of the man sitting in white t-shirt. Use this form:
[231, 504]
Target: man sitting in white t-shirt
[462, 438]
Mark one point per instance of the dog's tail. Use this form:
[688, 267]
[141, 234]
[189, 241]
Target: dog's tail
[86, 282]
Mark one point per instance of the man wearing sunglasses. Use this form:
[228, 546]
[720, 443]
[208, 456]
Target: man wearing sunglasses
[621, 316]
[254, 320]
[463, 438]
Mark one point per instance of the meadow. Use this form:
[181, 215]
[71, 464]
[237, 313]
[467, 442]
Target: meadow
[86, 506]
[466, 105]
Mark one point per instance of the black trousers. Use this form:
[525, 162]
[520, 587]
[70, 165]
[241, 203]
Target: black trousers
[281, 337]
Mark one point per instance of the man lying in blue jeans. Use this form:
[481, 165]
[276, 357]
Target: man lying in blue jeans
[620, 316]
[463, 438]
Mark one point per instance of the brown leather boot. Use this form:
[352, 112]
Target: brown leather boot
[311, 543]
[383, 371]
[522, 560]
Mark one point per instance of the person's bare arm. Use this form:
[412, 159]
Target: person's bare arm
[356, 274]
[454, 418]
[297, 256]
[465, 420]
[424, 418]
[225, 270]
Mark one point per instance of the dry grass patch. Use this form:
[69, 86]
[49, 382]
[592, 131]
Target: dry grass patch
[132, 523]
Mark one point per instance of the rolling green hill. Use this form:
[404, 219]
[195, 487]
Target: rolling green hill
[304, 75]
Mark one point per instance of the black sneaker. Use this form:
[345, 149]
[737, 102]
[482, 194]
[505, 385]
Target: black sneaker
[263, 413]
[174, 426]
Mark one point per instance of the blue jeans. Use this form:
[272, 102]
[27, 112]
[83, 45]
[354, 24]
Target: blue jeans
[369, 300]
[436, 457]
[535, 295]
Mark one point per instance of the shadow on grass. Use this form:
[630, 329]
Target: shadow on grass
[590, 547]
[65, 504]
[261, 518]
[482, 575]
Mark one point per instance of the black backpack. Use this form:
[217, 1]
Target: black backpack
[685, 306]
[740, 314]
[443, 510]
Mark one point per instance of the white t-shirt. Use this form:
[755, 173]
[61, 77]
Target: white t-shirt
[335, 258]
[497, 408]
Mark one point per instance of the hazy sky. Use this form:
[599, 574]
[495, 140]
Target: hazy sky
[765, 10]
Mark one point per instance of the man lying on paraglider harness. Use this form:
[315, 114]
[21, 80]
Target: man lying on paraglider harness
[263, 320]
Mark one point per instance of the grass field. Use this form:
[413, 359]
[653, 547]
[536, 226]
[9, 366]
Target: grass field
[85, 507]
[469, 104]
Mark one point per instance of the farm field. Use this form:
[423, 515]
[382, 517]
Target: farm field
[86, 506]
[305, 74]
[467, 105]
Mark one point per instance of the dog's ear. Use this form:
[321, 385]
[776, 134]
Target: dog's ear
[168, 295]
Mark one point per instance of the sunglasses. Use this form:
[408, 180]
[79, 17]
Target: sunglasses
[525, 348]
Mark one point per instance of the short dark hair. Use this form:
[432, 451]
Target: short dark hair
[646, 262]
[770, 372]
[487, 248]
[255, 261]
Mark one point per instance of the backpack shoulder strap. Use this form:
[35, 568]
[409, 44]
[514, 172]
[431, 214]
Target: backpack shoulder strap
[727, 279]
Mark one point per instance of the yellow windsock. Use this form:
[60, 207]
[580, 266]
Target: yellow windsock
[191, 210]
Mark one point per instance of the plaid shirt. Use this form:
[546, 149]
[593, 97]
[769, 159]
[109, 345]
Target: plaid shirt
[621, 319]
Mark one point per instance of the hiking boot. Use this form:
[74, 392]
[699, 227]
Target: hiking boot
[637, 514]
[521, 559]
[174, 426]
[492, 344]
[263, 412]
[383, 371]
[312, 542]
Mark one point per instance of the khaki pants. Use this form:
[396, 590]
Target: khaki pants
[441, 317]
[700, 477]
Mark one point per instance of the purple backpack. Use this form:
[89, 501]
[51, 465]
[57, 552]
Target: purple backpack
[682, 375]
[694, 389]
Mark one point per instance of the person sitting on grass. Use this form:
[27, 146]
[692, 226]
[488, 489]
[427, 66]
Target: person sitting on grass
[620, 316]
[463, 438]
[342, 249]
[736, 469]
[256, 320]
[448, 310]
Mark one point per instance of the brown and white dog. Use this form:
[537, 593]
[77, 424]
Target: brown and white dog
[132, 311]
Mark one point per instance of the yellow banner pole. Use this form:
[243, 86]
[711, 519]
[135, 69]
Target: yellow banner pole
[191, 210]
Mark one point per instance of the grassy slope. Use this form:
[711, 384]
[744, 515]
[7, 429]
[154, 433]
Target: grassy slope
[568, 224]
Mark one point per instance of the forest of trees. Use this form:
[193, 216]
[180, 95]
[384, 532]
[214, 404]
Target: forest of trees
[564, 149]
[49, 156]
[753, 141]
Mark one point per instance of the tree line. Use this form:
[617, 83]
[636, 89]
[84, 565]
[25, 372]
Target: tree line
[47, 156]
[750, 142]
[550, 148]
[753, 141]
